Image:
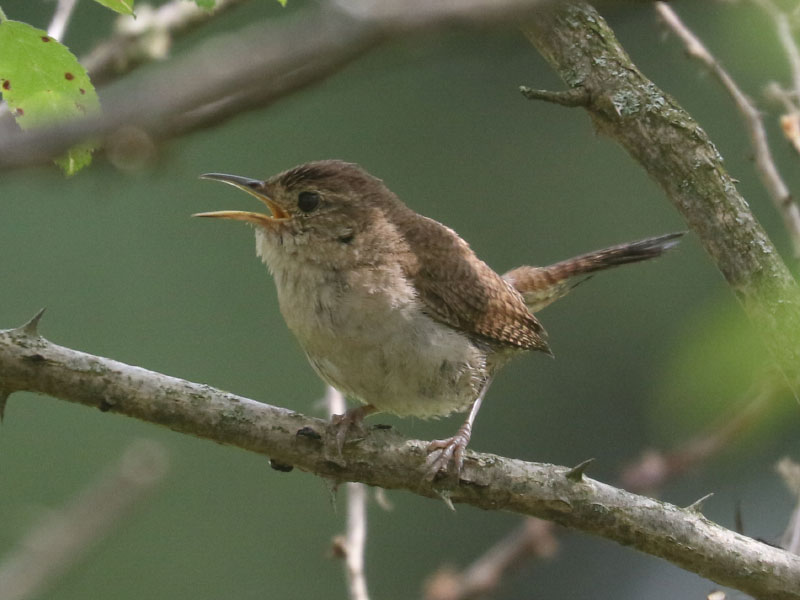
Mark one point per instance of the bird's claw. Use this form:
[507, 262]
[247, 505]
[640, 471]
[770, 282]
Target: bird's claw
[352, 419]
[445, 455]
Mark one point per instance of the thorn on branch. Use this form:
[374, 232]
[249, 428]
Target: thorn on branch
[308, 432]
[576, 472]
[279, 466]
[105, 405]
[4, 394]
[338, 548]
[31, 328]
[445, 497]
[578, 96]
[697, 505]
[738, 521]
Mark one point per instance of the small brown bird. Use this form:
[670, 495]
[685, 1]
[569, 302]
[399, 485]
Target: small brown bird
[394, 309]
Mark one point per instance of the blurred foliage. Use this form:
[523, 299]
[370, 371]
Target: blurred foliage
[43, 82]
[719, 366]
[123, 7]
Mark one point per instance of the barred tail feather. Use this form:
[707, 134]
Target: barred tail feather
[541, 286]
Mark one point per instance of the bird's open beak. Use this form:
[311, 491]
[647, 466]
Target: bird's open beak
[252, 187]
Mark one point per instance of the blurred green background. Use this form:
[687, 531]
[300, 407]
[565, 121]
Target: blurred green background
[645, 355]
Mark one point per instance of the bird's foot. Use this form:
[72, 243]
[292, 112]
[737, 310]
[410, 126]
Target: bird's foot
[448, 454]
[353, 419]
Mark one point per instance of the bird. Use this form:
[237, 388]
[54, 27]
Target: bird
[394, 309]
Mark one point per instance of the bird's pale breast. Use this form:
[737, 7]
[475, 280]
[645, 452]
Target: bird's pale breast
[366, 333]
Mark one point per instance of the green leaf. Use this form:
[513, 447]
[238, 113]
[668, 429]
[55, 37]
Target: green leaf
[42, 82]
[206, 4]
[282, 3]
[124, 7]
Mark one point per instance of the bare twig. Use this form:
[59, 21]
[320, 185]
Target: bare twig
[786, 37]
[355, 540]
[572, 97]
[789, 99]
[61, 17]
[655, 468]
[65, 535]
[534, 538]
[147, 37]
[790, 472]
[765, 164]
[385, 459]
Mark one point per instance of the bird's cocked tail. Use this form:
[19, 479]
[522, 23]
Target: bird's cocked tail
[542, 285]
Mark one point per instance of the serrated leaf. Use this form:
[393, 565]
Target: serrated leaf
[124, 7]
[42, 82]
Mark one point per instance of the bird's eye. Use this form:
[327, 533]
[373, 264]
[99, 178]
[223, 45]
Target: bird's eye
[307, 201]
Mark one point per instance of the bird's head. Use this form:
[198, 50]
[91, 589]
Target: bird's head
[329, 212]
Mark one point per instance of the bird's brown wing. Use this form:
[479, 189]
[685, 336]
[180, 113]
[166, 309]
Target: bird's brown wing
[462, 291]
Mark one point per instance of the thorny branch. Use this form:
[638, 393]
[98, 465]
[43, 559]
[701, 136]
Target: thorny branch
[532, 539]
[28, 362]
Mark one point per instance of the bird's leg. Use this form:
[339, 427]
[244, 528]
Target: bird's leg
[353, 418]
[443, 453]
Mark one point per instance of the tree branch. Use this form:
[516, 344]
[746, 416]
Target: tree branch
[383, 458]
[765, 164]
[247, 69]
[147, 37]
[351, 546]
[655, 467]
[65, 535]
[533, 538]
[677, 153]
[61, 17]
